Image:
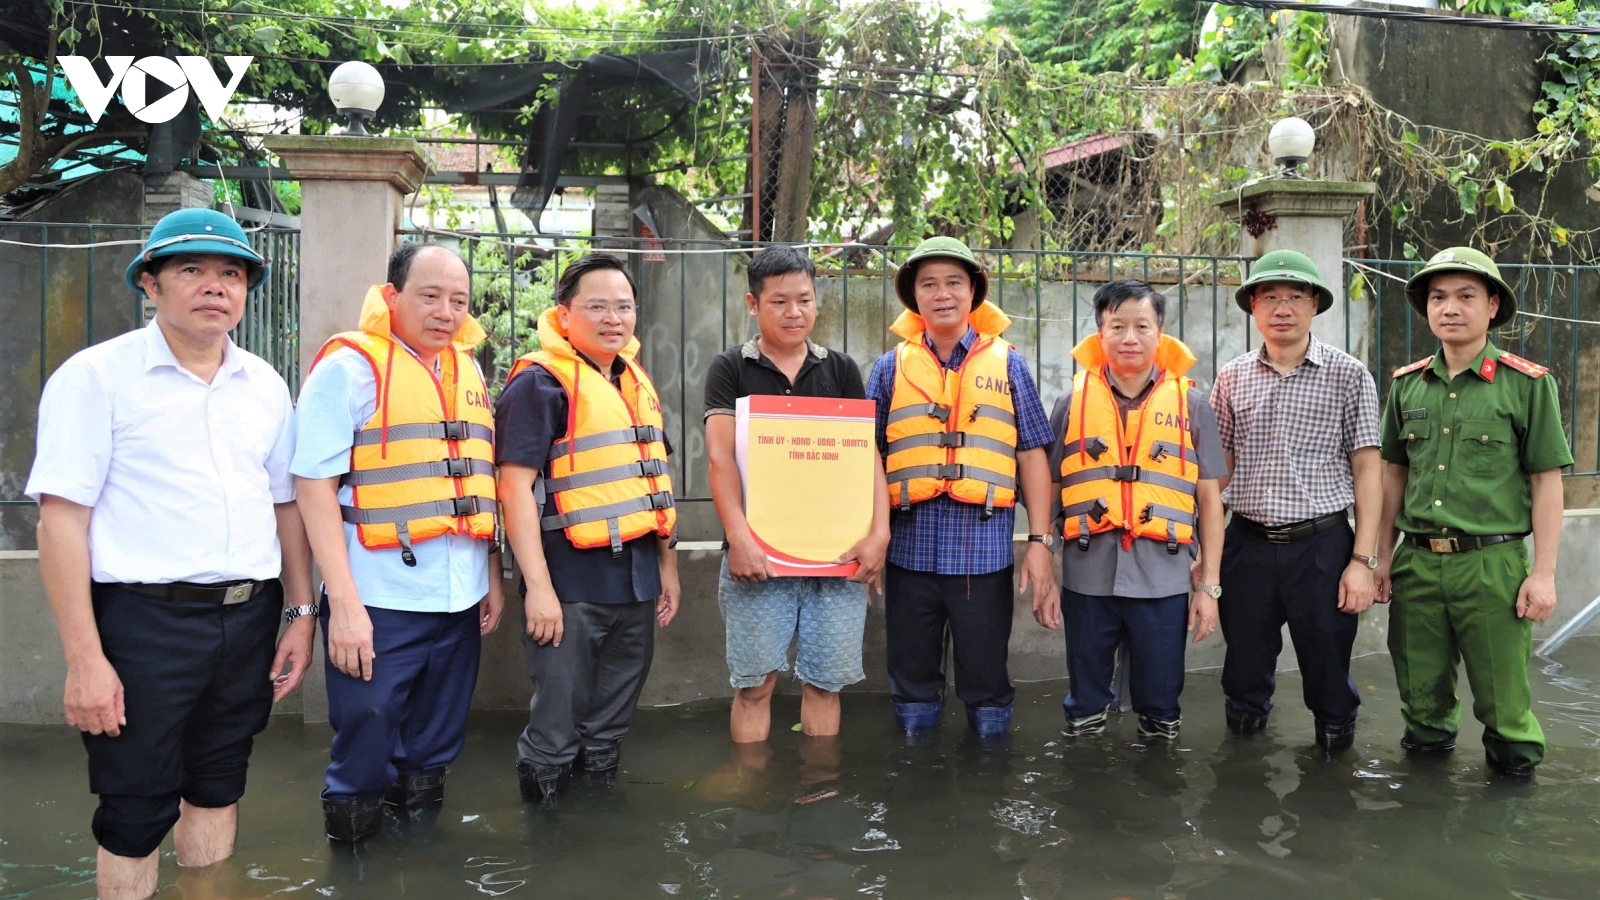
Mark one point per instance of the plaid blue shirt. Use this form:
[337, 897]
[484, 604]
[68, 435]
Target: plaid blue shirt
[944, 535]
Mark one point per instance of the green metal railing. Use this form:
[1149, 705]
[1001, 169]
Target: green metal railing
[63, 290]
[692, 307]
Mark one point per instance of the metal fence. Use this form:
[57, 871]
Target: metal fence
[62, 289]
[692, 307]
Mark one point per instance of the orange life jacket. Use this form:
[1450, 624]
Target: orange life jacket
[953, 431]
[608, 473]
[423, 465]
[1136, 475]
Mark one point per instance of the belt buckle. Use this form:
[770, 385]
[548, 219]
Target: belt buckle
[1278, 537]
[239, 593]
[1443, 545]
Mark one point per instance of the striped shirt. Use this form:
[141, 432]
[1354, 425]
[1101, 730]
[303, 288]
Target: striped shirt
[1292, 436]
[943, 535]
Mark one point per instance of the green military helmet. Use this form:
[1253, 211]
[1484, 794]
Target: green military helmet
[205, 232]
[948, 248]
[1473, 262]
[1284, 265]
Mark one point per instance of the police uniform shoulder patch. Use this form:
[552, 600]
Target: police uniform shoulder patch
[1412, 367]
[1526, 367]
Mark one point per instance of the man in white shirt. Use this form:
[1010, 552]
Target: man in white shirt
[166, 519]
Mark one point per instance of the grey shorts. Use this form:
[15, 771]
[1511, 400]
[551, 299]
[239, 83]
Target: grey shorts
[829, 614]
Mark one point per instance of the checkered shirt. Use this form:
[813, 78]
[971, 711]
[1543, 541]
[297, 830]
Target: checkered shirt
[1292, 436]
[943, 535]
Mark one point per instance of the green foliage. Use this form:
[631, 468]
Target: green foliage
[1133, 36]
[508, 302]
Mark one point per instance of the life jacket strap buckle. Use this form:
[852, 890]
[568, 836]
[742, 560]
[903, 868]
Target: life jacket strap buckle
[455, 430]
[661, 500]
[650, 468]
[645, 434]
[465, 506]
[456, 467]
[935, 411]
[1148, 513]
[951, 439]
[1095, 448]
[1125, 473]
[953, 471]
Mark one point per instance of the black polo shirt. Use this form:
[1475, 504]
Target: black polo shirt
[744, 370]
[529, 417]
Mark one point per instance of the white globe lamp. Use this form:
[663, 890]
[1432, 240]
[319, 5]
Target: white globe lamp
[356, 89]
[1290, 142]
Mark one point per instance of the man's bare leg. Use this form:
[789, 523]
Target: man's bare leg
[125, 877]
[819, 711]
[751, 718]
[205, 836]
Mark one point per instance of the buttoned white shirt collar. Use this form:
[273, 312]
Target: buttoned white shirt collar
[157, 353]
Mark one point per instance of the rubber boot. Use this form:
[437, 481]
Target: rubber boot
[600, 758]
[415, 790]
[1335, 739]
[349, 821]
[541, 783]
[1158, 730]
[989, 721]
[1421, 747]
[1241, 722]
[1088, 726]
[1515, 771]
[599, 764]
[914, 717]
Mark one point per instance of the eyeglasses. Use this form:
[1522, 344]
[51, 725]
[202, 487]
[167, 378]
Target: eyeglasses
[599, 310]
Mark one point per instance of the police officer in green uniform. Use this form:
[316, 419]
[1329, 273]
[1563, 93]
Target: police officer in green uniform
[1474, 448]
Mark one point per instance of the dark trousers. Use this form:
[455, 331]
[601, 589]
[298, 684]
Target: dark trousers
[1264, 585]
[976, 609]
[1154, 631]
[412, 716]
[196, 692]
[585, 690]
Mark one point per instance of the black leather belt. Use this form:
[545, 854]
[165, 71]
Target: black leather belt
[1294, 531]
[1459, 543]
[225, 594]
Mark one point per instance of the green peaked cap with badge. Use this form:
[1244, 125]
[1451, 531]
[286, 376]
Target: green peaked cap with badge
[1473, 262]
[940, 248]
[1284, 265]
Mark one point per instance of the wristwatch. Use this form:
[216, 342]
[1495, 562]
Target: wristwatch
[1212, 590]
[1048, 540]
[295, 612]
[1370, 562]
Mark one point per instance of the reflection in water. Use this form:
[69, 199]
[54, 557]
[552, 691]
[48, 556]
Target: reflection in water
[872, 814]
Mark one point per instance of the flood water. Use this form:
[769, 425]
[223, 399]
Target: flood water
[869, 815]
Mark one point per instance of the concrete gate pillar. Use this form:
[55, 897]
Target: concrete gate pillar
[1308, 216]
[352, 196]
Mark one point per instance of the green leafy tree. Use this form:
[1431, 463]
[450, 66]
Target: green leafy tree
[1135, 36]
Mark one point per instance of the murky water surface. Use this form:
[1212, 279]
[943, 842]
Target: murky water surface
[1212, 816]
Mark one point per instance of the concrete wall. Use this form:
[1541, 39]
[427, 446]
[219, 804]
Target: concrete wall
[689, 653]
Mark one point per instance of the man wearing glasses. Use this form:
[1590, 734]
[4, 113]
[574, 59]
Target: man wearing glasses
[589, 512]
[1299, 423]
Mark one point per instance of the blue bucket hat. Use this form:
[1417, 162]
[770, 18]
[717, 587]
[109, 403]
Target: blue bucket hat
[197, 231]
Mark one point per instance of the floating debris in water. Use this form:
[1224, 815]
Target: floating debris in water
[812, 798]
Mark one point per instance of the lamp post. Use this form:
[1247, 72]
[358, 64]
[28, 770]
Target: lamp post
[1290, 142]
[356, 89]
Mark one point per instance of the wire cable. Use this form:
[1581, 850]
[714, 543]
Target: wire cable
[1406, 15]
